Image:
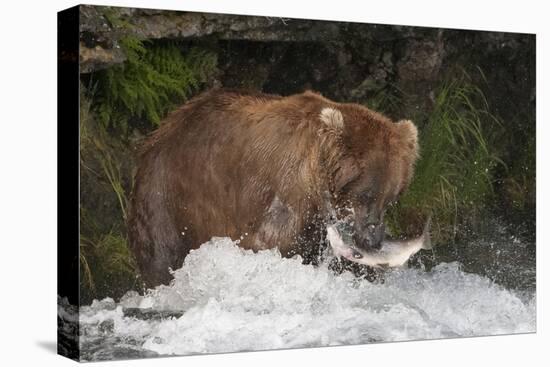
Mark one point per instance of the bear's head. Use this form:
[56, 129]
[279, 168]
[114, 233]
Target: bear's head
[370, 162]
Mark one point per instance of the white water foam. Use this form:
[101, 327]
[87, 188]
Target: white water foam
[237, 300]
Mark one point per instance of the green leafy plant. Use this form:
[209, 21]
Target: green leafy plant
[150, 82]
[106, 265]
[99, 150]
[454, 176]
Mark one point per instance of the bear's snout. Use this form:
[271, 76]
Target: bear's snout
[370, 237]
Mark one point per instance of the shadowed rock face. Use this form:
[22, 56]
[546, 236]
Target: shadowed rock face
[103, 27]
[347, 61]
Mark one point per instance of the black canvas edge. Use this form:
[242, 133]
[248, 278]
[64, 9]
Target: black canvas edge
[68, 182]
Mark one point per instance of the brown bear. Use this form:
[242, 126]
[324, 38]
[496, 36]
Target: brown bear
[267, 170]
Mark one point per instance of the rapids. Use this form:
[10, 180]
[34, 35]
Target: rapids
[226, 299]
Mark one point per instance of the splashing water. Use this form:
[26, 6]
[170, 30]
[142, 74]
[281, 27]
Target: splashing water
[227, 299]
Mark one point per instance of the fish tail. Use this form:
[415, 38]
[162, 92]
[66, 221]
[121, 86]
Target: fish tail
[427, 242]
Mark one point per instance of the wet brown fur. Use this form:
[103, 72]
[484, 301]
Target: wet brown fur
[257, 166]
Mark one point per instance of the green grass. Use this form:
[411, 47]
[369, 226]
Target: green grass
[107, 267]
[454, 175]
[106, 264]
[99, 150]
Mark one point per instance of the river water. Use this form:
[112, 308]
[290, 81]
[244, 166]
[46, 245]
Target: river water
[226, 299]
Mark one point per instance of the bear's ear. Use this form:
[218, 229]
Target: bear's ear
[408, 134]
[332, 118]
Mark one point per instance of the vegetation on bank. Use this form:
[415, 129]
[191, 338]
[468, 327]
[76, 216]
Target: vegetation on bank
[116, 104]
[454, 177]
[149, 84]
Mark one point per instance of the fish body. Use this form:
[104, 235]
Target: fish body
[392, 253]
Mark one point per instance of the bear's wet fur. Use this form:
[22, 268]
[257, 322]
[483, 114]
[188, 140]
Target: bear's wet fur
[262, 169]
